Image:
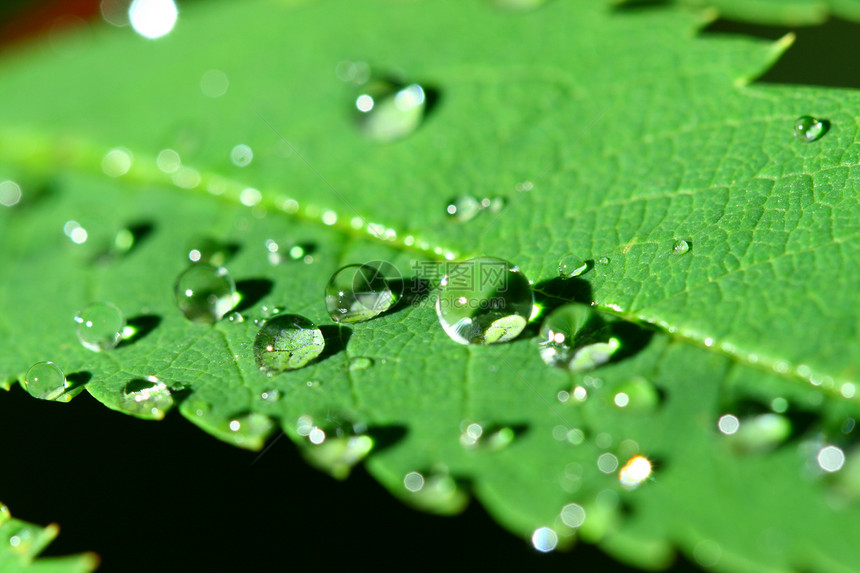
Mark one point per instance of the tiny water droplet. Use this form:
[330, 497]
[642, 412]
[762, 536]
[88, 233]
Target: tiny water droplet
[388, 111]
[204, 293]
[636, 394]
[808, 129]
[603, 261]
[249, 430]
[270, 311]
[681, 247]
[463, 208]
[270, 396]
[235, 318]
[571, 266]
[150, 398]
[435, 491]
[287, 342]
[336, 447]
[45, 381]
[360, 363]
[356, 293]
[484, 300]
[100, 326]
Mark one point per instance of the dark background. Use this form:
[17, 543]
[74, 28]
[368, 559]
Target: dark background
[165, 495]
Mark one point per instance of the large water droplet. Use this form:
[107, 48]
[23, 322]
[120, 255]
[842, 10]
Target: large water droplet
[484, 300]
[205, 293]
[809, 129]
[463, 208]
[356, 293]
[388, 111]
[681, 247]
[100, 326]
[287, 342]
[571, 266]
[45, 381]
[150, 398]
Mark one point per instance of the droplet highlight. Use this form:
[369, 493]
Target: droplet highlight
[681, 247]
[356, 293]
[100, 326]
[463, 208]
[45, 381]
[204, 294]
[572, 336]
[149, 398]
[287, 342]
[484, 300]
[571, 266]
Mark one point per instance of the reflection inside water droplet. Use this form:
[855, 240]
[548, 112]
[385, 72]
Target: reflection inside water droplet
[149, 398]
[45, 381]
[571, 266]
[100, 326]
[287, 342]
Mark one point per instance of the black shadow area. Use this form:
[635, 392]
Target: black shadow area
[252, 291]
[142, 324]
[820, 56]
[335, 336]
[164, 495]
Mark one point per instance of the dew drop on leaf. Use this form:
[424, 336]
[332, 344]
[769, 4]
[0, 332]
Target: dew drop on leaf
[462, 208]
[681, 247]
[270, 396]
[149, 398]
[360, 363]
[235, 318]
[204, 293]
[603, 261]
[484, 300]
[100, 326]
[388, 110]
[356, 293]
[570, 337]
[45, 381]
[809, 129]
[755, 434]
[571, 266]
[287, 342]
[636, 394]
[206, 251]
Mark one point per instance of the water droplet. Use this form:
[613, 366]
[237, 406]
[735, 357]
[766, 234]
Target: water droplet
[413, 481]
[152, 18]
[603, 261]
[570, 338]
[809, 129]
[463, 208]
[10, 193]
[150, 398]
[636, 394]
[573, 515]
[681, 247]
[242, 155]
[5, 514]
[287, 342]
[100, 326]
[356, 293]
[471, 435]
[635, 472]
[571, 266]
[388, 111]
[249, 430]
[544, 539]
[360, 363]
[755, 433]
[337, 448]
[484, 300]
[235, 318]
[45, 381]
[270, 396]
[205, 251]
[435, 491]
[204, 293]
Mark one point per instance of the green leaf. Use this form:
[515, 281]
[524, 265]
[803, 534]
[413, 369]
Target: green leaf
[775, 12]
[598, 150]
[21, 543]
